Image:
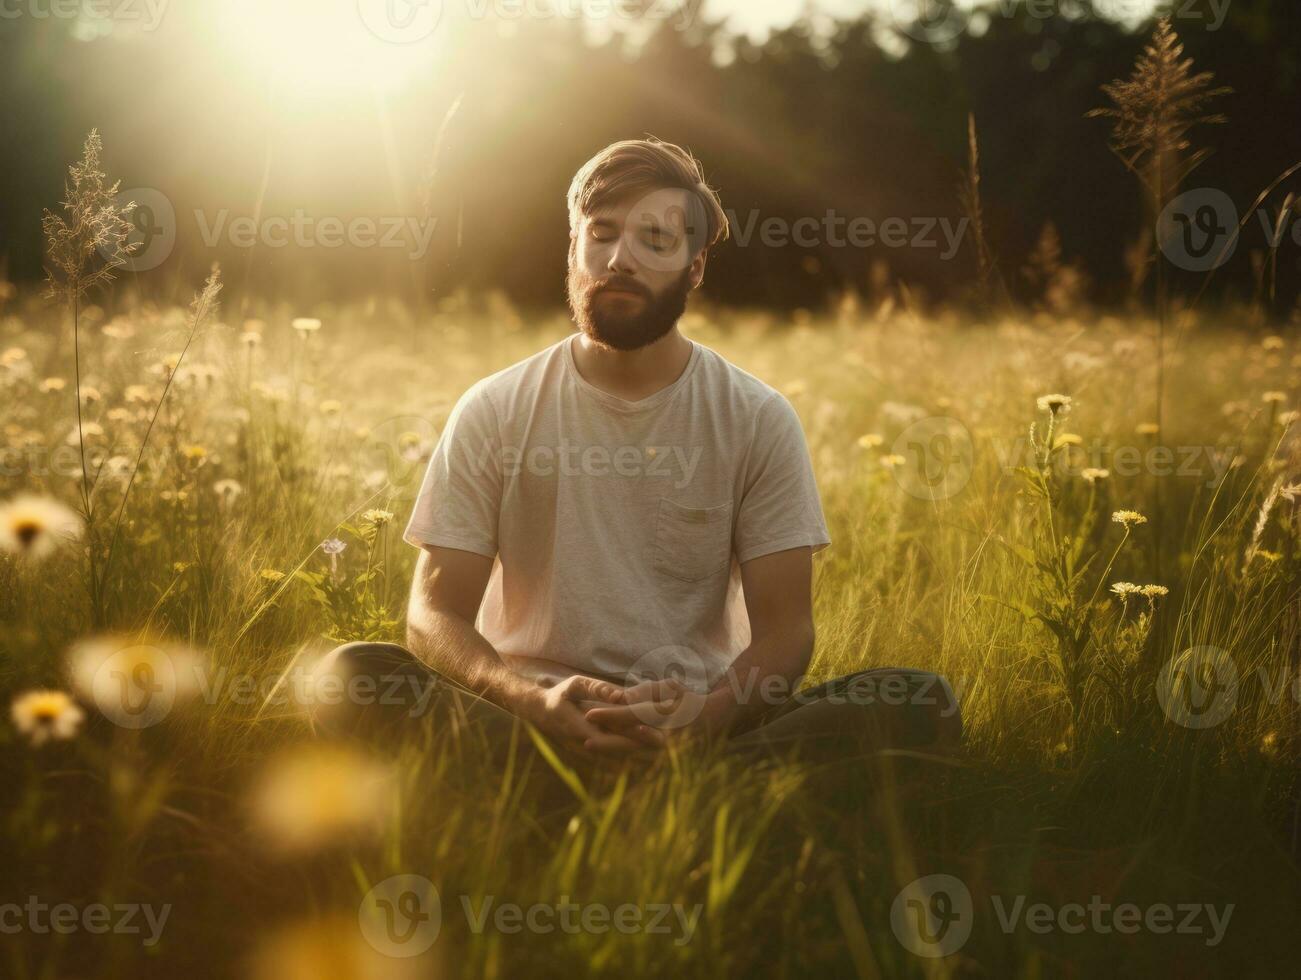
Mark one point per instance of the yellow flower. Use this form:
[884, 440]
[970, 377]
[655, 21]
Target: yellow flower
[1154, 591]
[871, 440]
[43, 715]
[137, 394]
[1128, 517]
[1288, 417]
[1125, 589]
[1274, 397]
[12, 356]
[1091, 474]
[334, 948]
[891, 460]
[306, 324]
[194, 453]
[377, 517]
[1147, 428]
[34, 526]
[1272, 342]
[313, 796]
[53, 384]
[135, 683]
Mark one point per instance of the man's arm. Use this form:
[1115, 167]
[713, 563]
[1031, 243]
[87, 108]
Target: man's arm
[779, 602]
[445, 595]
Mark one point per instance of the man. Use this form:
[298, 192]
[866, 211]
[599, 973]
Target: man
[617, 533]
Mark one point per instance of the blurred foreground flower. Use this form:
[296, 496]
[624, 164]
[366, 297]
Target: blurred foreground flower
[315, 795]
[1092, 474]
[306, 324]
[43, 715]
[134, 683]
[333, 948]
[34, 527]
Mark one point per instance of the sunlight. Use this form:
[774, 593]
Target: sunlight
[331, 44]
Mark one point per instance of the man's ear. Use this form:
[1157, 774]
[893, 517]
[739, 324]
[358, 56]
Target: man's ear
[697, 275]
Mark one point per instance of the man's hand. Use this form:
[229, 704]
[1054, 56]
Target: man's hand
[653, 712]
[558, 712]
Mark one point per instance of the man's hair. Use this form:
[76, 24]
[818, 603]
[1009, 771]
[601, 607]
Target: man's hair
[633, 168]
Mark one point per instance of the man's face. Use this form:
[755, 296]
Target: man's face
[632, 265]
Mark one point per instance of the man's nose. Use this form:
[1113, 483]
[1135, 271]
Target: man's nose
[622, 258]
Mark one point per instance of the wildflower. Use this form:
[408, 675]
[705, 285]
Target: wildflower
[1125, 589]
[134, 683]
[871, 440]
[119, 414]
[12, 356]
[194, 453]
[89, 430]
[1269, 744]
[1128, 517]
[330, 407]
[334, 948]
[175, 496]
[333, 546]
[1056, 405]
[306, 325]
[181, 567]
[1092, 474]
[311, 797]
[52, 384]
[891, 460]
[228, 490]
[377, 517]
[1272, 342]
[1288, 417]
[1147, 428]
[35, 526]
[42, 715]
[1274, 397]
[90, 395]
[250, 338]
[118, 329]
[137, 394]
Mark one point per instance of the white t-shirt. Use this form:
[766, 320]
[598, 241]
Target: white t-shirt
[618, 526]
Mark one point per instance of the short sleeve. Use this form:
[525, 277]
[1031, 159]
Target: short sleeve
[780, 508]
[460, 498]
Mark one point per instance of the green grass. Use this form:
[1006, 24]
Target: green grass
[795, 864]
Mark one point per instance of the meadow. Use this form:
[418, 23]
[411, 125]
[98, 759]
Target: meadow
[1004, 510]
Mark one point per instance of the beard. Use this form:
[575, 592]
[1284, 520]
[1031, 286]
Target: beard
[625, 331]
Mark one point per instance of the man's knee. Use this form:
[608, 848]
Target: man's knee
[921, 706]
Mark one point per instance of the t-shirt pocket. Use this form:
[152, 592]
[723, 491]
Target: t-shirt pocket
[692, 543]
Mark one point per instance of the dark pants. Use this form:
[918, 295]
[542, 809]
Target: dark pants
[885, 708]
